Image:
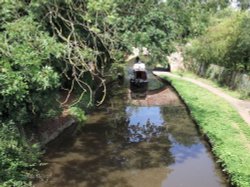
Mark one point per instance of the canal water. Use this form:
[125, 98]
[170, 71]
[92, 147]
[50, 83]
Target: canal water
[142, 139]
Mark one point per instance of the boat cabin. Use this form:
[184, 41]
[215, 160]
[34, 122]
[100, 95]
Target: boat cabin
[139, 74]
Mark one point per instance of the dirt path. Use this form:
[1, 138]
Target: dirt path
[243, 107]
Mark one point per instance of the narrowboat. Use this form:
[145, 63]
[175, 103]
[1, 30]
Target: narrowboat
[139, 77]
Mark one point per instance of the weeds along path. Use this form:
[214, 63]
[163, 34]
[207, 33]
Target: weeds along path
[243, 107]
[242, 136]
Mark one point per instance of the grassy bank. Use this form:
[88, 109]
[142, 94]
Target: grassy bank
[234, 93]
[226, 130]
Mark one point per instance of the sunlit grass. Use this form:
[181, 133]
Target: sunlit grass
[233, 93]
[217, 119]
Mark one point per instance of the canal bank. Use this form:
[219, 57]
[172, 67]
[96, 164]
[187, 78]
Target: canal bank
[228, 134]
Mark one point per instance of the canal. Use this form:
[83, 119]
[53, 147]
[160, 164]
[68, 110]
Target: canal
[135, 139]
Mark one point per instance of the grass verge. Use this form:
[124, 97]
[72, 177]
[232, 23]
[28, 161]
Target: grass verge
[217, 119]
[226, 89]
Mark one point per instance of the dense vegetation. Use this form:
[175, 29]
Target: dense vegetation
[226, 42]
[51, 45]
[219, 122]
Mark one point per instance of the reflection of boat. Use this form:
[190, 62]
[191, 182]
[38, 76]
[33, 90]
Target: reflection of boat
[139, 81]
[138, 91]
[139, 78]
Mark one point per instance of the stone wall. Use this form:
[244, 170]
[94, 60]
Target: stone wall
[47, 130]
[234, 80]
[50, 129]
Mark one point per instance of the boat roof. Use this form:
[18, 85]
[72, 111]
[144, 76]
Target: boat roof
[139, 66]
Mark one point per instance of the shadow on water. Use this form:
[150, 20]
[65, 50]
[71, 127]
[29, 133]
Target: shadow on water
[103, 153]
[125, 145]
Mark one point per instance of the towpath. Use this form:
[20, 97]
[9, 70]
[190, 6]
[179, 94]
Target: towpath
[242, 106]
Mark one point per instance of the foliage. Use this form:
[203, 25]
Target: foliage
[244, 4]
[17, 159]
[117, 70]
[27, 77]
[217, 120]
[100, 32]
[10, 10]
[77, 44]
[239, 50]
[156, 25]
[28, 83]
[87, 30]
[78, 113]
[146, 24]
[226, 43]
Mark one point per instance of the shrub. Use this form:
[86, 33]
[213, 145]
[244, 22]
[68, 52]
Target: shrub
[226, 43]
[17, 158]
[78, 113]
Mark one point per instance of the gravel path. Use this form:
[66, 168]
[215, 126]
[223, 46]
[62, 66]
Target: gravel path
[242, 106]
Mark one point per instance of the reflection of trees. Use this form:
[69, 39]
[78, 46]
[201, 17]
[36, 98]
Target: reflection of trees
[135, 145]
[112, 144]
[154, 82]
[139, 145]
[180, 125]
[102, 150]
[139, 132]
[108, 145]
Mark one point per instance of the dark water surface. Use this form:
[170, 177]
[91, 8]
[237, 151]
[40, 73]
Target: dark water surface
[123, 145]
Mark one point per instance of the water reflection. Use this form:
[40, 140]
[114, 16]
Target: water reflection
[138, 91]
[132, 146]
[141, 141]
[180, 126]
